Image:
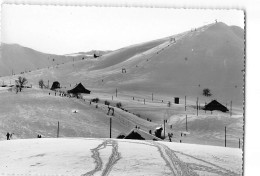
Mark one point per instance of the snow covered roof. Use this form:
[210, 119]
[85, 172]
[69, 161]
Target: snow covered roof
[142, 135]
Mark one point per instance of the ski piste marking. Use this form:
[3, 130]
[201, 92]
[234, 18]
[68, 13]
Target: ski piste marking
[114, 157]
[179, 167]
[219, 170]
[176, 166]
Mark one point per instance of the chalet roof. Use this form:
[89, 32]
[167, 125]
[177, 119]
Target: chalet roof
[215, 105]
[79, 88]
[142, 135]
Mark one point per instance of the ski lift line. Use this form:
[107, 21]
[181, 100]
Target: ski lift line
[147, 99]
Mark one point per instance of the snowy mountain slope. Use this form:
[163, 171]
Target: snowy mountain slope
[210, 57]
[124, 54]
[20, 59]
[88, 156]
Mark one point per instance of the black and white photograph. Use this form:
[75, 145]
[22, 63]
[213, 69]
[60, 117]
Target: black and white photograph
[92, 90]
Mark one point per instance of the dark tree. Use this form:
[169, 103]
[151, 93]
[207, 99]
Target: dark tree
[206, 92]
[96, 100]
[41, 84]
[119, 105]
[107, 102]
[21, 82]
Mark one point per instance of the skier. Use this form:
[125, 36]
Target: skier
[8, 136]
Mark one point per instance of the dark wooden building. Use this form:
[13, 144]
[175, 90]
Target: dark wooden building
[215, 105]
[79, 88]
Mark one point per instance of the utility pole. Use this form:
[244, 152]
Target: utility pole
[58, 130]
[185, 103]
[225, 136]
[152, 96]
[197, 106]
[164, 127]
[144, 101]
[231, 108]
[110, 127]
[116, 92]
[186, 123]
[239, 143]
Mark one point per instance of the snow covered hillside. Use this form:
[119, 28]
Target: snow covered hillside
[88, 156]
[180, 65]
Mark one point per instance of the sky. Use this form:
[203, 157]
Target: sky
[71, 29]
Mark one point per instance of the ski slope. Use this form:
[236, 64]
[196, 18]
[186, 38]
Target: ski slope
[88, 156]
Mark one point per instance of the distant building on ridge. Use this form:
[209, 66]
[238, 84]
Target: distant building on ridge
[79, 88]
[55, 85]
[215, 105]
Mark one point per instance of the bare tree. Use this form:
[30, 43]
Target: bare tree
[21, 82]
[206, 92]
[41, 83]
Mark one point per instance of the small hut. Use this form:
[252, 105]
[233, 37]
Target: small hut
[158, 132]
[55, 85]
[176, 100]
[215, 105]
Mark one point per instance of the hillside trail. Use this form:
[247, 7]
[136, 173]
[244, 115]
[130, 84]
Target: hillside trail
[172, 161]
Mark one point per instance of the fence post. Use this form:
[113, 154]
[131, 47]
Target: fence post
[225, 136]
[185, 103]
[231, 108]
[164, 127]
[110, 127]
[58, 130]
[197, 106]
[186, 123]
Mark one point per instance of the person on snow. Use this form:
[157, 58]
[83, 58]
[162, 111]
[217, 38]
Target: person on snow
[8, 136]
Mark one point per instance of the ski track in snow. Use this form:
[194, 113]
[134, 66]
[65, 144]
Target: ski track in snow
[179, 167]
[114, 157]
[176, 166]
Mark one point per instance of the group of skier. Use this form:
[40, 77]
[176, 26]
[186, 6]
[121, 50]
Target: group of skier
[9, 136]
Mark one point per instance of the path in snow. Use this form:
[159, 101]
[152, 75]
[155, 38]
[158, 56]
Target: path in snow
[172, 161]
[180, 168]
[114, 157]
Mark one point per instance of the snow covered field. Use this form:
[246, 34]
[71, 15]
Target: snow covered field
[88, 156]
